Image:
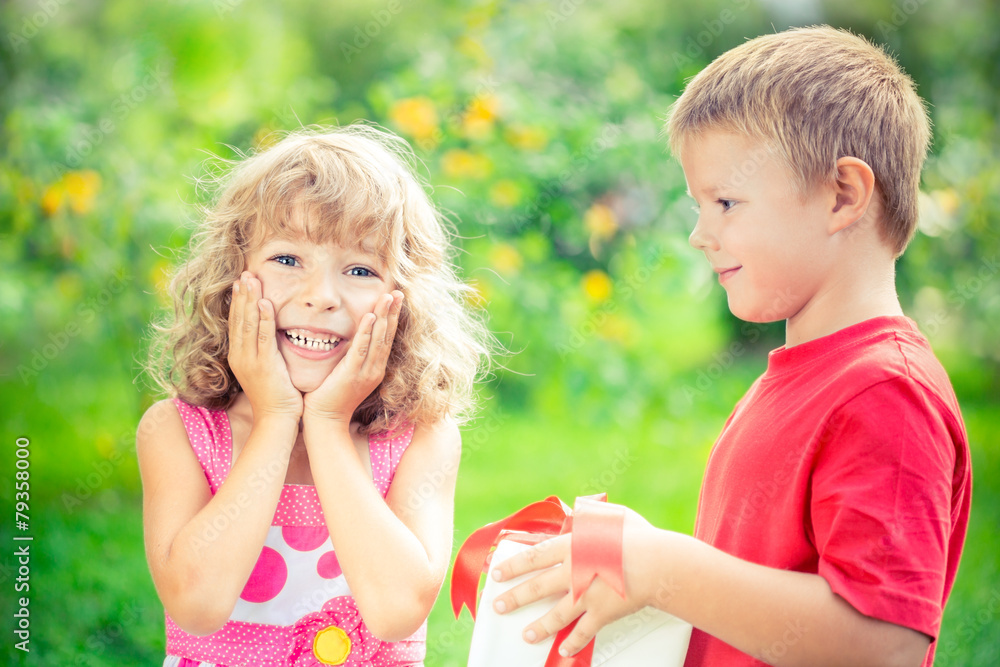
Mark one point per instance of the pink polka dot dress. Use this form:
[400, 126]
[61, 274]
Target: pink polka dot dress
[296, 609]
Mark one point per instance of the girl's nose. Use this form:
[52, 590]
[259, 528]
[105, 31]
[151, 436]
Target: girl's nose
[322, 290]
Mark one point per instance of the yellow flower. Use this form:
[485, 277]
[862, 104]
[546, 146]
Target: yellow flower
[479, 296]
[600, 221]
[505, 193]
[52, 198]
[415, 116]
[527, 138]
[458, 163]
[81, 189]
[159, 275]
[480, 116]
[948, 200]
[597, 286]
[474, 50]
[505, 258]
[618, 329]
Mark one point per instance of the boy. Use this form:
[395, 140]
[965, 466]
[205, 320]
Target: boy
[836, 500]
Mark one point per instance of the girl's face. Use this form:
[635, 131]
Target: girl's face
[319, 293]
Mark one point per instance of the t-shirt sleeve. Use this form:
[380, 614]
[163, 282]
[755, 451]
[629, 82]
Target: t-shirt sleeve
[881, 504]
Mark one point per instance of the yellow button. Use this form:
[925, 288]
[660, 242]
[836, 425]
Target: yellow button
[332, 646]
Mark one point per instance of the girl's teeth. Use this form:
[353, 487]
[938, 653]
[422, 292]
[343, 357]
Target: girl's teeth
[310, 343]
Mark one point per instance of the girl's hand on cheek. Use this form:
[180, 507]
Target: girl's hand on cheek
[253, 352]
[363, 366]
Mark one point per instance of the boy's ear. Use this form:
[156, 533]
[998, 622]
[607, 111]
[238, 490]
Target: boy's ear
[853, 187]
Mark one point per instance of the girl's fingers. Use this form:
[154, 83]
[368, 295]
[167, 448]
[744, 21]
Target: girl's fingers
[236, 306]
[266, 345]
[251, 313]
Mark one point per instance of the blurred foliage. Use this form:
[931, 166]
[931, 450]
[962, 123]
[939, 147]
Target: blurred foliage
[539, 128]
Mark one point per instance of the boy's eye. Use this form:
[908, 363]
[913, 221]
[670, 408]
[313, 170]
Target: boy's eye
[726, 203]
[287, 260]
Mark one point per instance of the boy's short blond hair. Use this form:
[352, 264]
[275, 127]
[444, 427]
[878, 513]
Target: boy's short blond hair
[814, 95]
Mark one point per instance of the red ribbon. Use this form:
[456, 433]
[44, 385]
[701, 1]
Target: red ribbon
[595, 548]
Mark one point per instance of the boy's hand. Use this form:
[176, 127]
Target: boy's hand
[363, 366]
[253, 352]
[598, 606]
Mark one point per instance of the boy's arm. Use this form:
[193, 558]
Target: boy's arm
[778, 616]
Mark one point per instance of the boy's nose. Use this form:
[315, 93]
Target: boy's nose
[701, 238]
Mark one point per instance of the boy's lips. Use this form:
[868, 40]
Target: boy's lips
[726, 274]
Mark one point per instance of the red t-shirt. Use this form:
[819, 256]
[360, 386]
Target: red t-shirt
[848, 458]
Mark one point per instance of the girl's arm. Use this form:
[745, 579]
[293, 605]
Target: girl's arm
[201, 548]
[394, 553]
[778, 616]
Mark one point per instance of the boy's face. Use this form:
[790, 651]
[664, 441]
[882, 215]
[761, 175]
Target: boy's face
[761, 237]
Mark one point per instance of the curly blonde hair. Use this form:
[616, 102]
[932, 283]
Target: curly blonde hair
[360, 185]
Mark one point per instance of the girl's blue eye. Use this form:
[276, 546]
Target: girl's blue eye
[361, 272]
[280, 259]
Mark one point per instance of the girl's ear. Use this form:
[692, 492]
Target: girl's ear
[853, 188]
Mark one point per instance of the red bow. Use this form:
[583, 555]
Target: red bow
[596, 551]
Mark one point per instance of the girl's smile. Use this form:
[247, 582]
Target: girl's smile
[320, 293]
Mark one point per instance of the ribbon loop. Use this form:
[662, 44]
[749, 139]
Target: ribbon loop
[596, 546]
[595, 551]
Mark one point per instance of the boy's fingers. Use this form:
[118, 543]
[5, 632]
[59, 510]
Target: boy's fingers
[584, 630]
[539, 587]
[542, 555]
[555, 620]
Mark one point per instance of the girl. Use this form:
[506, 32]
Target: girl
[299, 484]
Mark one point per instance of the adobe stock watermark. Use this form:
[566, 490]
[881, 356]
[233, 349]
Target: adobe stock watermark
[564, 9]
[369, 31]
[696, 45]
[580, 161]
[620, 464]
[473, 441]
[34, 23]
[486, 88]
[793, 634]
[86, 312]
[622, 289]
[723, 361]
[971, 626]
[902, 11]
[91, 137]
[957, 297]
[109, 634]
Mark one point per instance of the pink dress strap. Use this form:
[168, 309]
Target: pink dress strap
[211, 439]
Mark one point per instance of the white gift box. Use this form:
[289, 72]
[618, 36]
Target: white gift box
[648, 637]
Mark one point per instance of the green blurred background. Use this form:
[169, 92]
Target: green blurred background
[539, 126]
